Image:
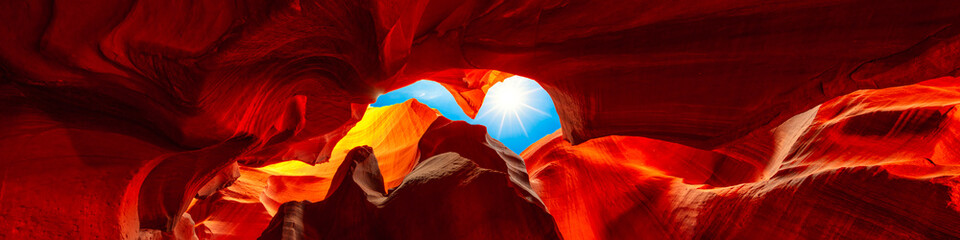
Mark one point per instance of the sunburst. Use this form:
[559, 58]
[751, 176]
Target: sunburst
[510, 99]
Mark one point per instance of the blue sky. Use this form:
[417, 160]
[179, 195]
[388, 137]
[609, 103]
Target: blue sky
[514, 98]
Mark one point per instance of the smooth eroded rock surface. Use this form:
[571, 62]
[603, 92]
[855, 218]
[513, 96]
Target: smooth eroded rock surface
[116, 115]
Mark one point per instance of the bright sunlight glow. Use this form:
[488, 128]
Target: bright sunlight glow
[509, 100]
[509, 104]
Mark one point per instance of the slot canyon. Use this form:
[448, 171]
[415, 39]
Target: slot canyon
[683, 119]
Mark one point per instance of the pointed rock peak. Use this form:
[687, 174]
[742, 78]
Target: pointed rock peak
[366, 173]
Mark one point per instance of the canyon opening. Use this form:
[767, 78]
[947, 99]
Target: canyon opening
[475, 119]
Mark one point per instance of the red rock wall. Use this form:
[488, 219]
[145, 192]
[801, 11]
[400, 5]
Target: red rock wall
[874, 164]
[114, 115]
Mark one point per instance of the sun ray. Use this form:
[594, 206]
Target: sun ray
[533, 108]
[522, 99]
[510, 97]
[482, 115]
[500, 129]
[521, 123]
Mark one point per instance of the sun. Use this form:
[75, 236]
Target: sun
[510, 100]
[508, 97]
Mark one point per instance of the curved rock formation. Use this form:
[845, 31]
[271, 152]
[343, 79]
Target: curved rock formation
[419, 136]
[445, 197]
[874, 164]
[132, 109]
[393, 132]
[244, 209]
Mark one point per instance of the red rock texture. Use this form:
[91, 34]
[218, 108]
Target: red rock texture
[421, 135]
[115, 116]
[244, 209]
[446, 196]
[468, 90]
[874, 164]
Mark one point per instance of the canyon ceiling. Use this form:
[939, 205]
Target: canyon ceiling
[703, 119]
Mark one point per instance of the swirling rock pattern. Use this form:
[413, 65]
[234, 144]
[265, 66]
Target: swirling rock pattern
[455, 197]
[874, 164]
[115, 115]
